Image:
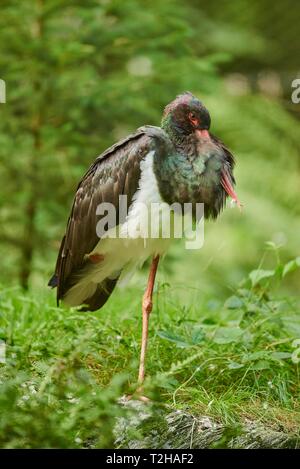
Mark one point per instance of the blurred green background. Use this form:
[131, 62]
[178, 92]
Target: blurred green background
[82, 74]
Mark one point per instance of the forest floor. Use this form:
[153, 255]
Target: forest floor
[63, 372]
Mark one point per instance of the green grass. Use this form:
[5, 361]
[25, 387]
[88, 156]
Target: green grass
[65, 370]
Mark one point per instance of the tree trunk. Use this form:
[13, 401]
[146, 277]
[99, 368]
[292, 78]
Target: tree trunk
[28, 246]
[27, 249]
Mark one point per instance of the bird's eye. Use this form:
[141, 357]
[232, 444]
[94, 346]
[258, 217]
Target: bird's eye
[193, 119]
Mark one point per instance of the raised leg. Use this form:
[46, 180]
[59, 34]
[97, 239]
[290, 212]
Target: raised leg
[146, 310]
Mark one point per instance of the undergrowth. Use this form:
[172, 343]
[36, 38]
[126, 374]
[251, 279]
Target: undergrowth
[63, 371]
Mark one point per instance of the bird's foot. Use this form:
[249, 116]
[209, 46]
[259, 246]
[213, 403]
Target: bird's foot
[137, 396]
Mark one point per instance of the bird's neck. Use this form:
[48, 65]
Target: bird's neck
[191, 173]
[177, 136]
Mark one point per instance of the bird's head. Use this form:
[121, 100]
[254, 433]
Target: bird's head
[186, 114]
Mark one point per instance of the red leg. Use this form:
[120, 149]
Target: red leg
[146, 309]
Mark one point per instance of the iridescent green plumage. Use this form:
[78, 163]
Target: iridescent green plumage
[192, 171]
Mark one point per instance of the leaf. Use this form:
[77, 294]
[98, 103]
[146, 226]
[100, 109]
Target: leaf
[291, 266]
[171, 337]
[271, 245]
[227, 335]
[244, 292]
[260, 365]
[231, 317]
[292, 325]
[280, 355]
[170, 384]
[263, 356]
[256, 276]
[209, 321]
[235, 365]
[253, 308]
[197, 336]
[233, 302]
[259, 355]
[41, 366]
[213, 305]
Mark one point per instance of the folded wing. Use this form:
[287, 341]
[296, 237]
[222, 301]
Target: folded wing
[115, 172]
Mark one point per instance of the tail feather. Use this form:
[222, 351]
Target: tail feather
[101, 295]
[98, 298]
[53, 282]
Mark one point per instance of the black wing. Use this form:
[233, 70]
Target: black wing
[115, 172]
[230, 161]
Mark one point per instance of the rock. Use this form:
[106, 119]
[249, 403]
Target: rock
[154, 426]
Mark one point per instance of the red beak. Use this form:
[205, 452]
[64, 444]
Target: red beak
[204, 134]
[227, 185]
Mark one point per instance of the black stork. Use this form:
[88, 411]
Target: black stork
[179, 162]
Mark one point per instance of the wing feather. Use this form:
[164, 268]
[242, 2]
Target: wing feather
[115, 172]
